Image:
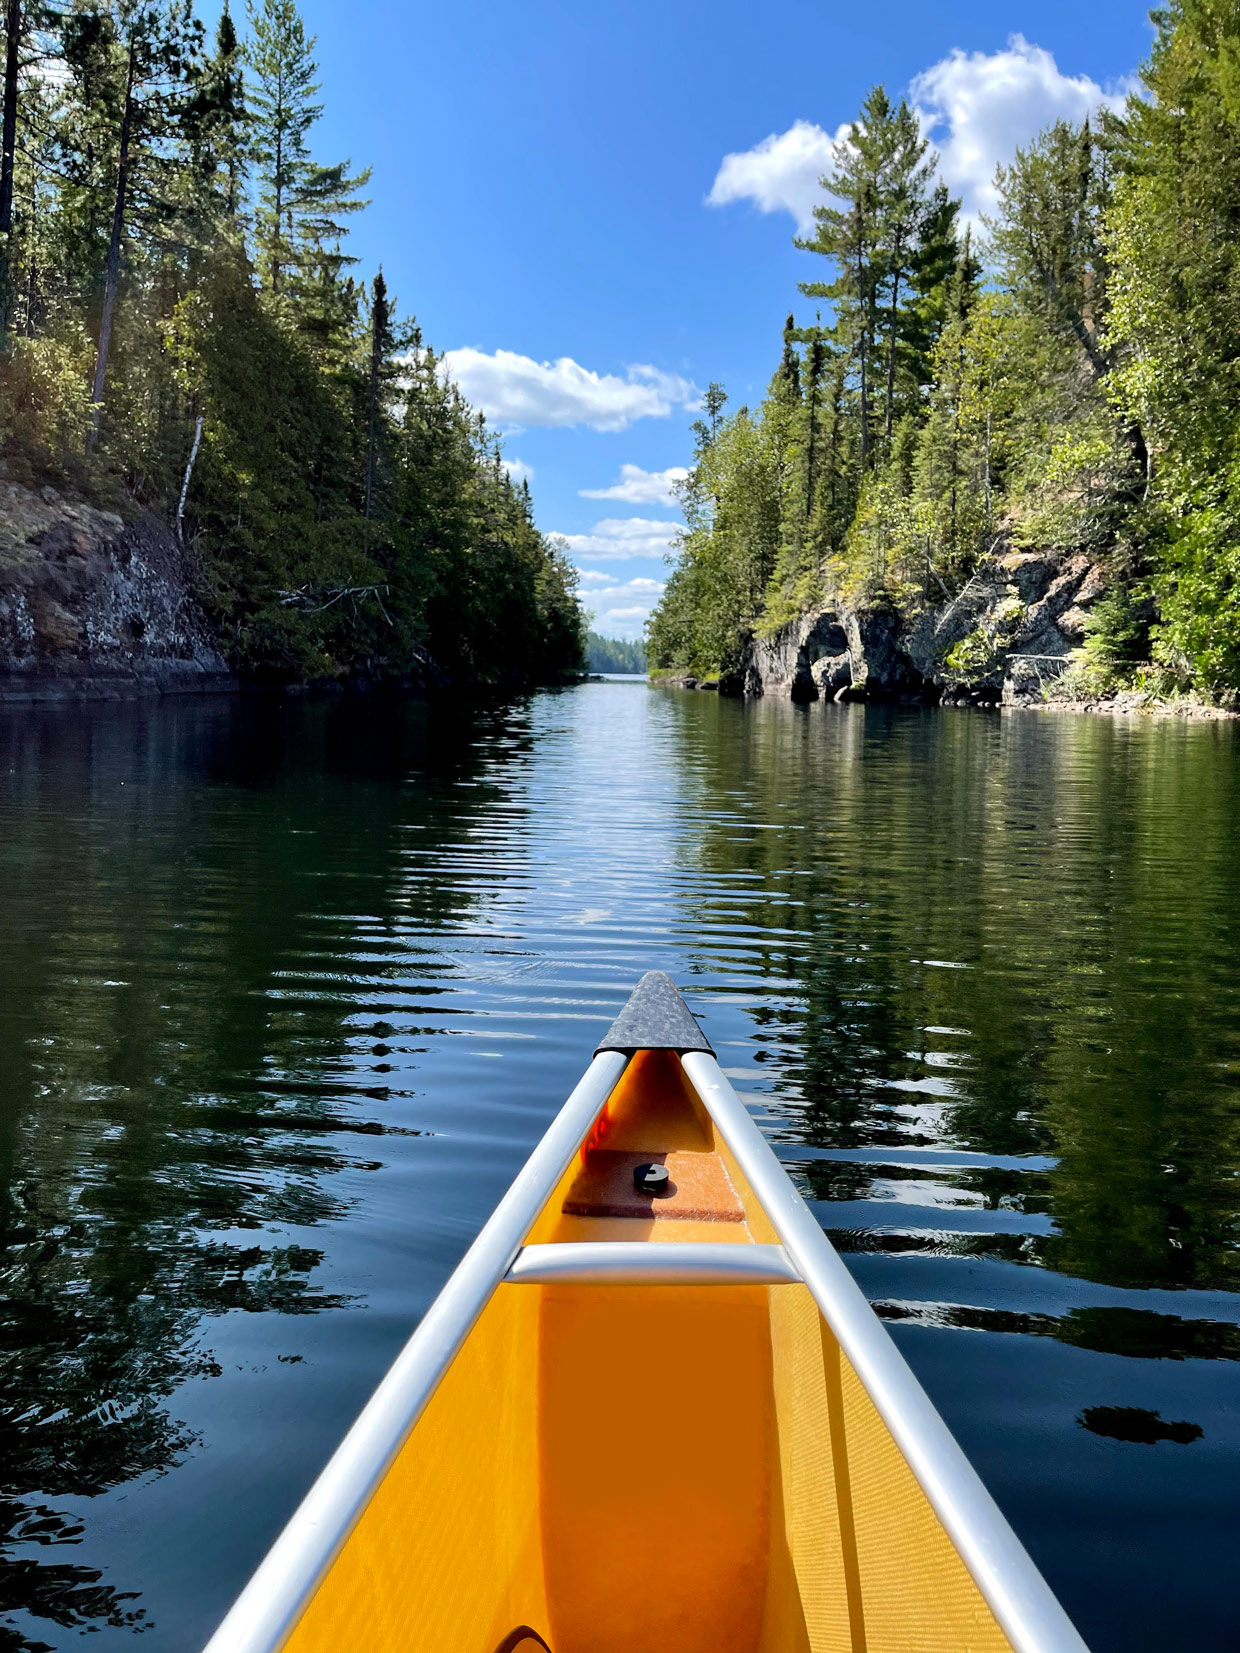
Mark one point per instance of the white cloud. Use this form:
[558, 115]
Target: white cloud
[638, 487]
[981, 108]
[780, 174]
[516, 390]
[518, 470]
[622, 610]
[618, 539]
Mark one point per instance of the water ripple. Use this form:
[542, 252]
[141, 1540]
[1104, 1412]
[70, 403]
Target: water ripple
[288, 991]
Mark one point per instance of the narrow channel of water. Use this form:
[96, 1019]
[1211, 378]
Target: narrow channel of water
[288, 990]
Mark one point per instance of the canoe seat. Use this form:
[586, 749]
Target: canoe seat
[699, 1190]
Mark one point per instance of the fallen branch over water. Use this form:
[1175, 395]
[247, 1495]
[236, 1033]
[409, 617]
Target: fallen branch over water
[303, 599]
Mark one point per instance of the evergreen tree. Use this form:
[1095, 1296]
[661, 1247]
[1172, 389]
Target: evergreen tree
[786, 385]
[1049, 241]
[349, 510]
[218, 119]
[1171, 245]
[849, 234]
[893, 241]
[904, 208]
[300, 203]
[132, 61]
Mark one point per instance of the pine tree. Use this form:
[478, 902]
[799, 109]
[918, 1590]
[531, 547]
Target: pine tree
[850, 235]
[218, 118]
[904, 213]
[786, 385]
[816, 358]
[1049, 236]
[934, 265]
[23, 22]
[300, 203]
[132, 61]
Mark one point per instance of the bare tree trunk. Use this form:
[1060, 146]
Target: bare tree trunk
[278, 216]
[14, 25]
[891, 347]
[114, 261]
[370, 429]
[189, 471]
[32, 256]
[988, 469]
[865, 325]
[815, 370]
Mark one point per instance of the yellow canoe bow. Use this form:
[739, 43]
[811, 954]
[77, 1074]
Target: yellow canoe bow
[650, 1410]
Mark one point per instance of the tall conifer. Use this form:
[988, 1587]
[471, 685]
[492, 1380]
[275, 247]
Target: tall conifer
[300, 203]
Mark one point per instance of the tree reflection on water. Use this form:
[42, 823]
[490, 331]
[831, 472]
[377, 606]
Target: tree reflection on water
[170, 1098]
[1005, 935]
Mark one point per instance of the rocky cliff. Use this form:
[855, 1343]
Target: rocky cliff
[92, 605]
[1008, 632]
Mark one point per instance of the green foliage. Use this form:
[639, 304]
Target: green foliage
[983, 650]
[1077, 393]
[44, 402]
[614, 654]
[1198, 584]
[1174, 242]
[1047, 241]
[1117, 632]
[300, 203]
[173, 227]
[893, 241]
[1077, 497]
[732, 504]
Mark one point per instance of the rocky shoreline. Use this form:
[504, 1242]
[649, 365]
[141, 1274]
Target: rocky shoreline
[93, 606]
[1014, 625]
[96, 606]
[1006, 639]
[99, 606]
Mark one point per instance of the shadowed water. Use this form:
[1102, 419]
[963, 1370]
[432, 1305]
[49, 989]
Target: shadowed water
[288, 991]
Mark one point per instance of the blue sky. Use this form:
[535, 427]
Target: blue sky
[591, 205]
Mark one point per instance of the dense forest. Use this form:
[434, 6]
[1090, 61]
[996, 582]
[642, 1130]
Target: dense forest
[183, 330]
[1065, 379]
[614, 654]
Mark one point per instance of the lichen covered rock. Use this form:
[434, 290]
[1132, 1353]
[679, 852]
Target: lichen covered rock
[1011, 629]
[93, 605]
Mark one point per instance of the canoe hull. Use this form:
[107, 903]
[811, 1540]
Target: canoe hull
[693, 1468]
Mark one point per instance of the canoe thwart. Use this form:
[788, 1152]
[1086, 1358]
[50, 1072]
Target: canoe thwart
[652, 1263]
[655, 1018]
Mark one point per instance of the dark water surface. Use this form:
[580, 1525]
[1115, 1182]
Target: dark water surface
[288, 991]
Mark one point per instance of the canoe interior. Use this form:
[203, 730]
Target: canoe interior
[613, 1468]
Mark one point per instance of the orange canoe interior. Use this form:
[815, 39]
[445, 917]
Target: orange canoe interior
[680, 1469]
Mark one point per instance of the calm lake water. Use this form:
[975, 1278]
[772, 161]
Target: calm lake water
[288, 991]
